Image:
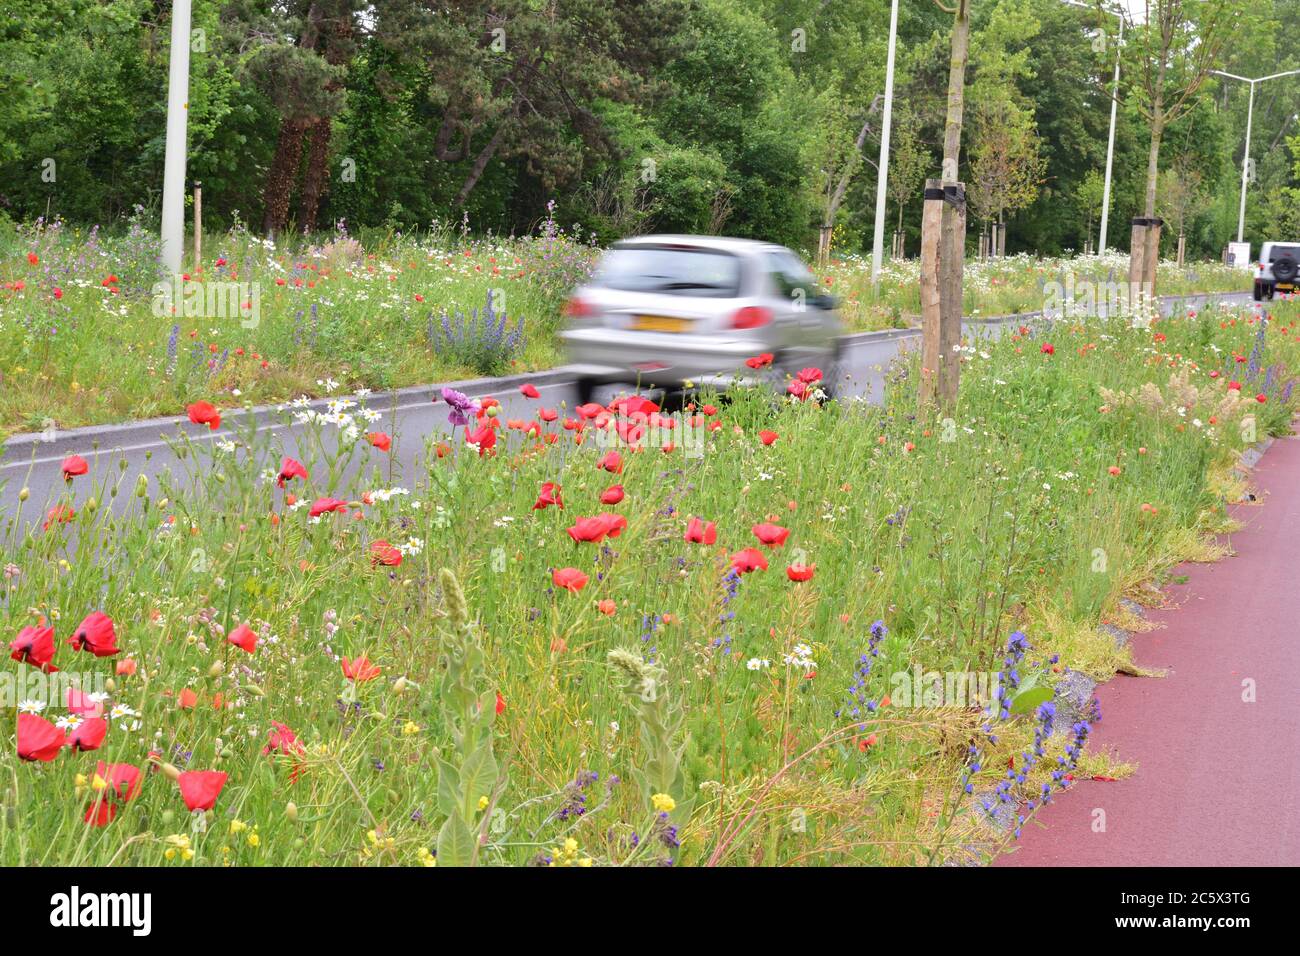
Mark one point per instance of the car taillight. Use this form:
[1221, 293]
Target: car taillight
[576, 308]
[751, 317]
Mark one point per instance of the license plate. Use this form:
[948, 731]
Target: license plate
[659, 323]
[1285, 286]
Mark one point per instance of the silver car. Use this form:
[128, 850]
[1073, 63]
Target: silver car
[661, 311]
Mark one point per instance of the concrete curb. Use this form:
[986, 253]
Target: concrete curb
[148, 432]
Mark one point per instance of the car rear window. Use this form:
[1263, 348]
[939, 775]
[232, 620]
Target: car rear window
[674, 271]
[1277, 251]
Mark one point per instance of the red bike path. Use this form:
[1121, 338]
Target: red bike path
[1218, 779]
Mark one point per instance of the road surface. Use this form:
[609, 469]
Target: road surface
[410, 416]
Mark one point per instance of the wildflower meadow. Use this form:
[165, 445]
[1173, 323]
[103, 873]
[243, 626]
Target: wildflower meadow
[565, 641]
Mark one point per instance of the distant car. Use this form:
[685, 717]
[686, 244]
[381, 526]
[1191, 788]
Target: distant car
[662, 311]
[1278, 269]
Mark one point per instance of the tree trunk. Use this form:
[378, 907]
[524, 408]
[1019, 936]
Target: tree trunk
[956, 90]
[318, 173]
[279, 181]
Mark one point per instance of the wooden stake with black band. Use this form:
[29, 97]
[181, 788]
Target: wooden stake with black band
[943, 241]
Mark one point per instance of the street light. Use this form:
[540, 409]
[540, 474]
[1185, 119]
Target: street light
[1245, 156]
[178, 94]
[882, 181]
[1114, 104]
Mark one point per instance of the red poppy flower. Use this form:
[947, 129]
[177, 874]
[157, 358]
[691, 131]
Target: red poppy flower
[760, 361]
[96, 635]
[360, 670]
[59, 514]
[290, 469]
[595, 529]
[205, 413]
[750, 559]
[282, 740]
[799, 389]
[38, 739]
[1234, 386]
[700, 532]
[381, 440]
[547, 414]
[200, 788]
[501, 704]
[33, 258]
[549, 495]
[1048, 348]
[1261, 398]
[590, 410]
[772, 535]
[529, 390]
[244, 638]
[800, 572]
[187, 699]
[89, 734]
[611, 495]
[571, 579]
[633, 405]
[34, 646]
[485, 437]
[100, 813]
[767, 437]
[321, 505]
[124, 780]
[611, 462]
[73, 466]
[381, 552]
[810, 375]
[606, 607]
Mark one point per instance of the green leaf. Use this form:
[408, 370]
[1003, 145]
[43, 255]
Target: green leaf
[1028, 700]
[455, 843]
[478, 777]
[448, 789]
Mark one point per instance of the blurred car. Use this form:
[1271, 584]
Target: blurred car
[661, 311]
[1278, 269]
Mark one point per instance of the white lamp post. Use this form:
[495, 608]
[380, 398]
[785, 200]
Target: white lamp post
[178, 94]
[1245, 156]
[878, 243]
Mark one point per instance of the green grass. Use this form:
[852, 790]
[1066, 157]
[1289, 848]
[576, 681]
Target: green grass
[953, 532]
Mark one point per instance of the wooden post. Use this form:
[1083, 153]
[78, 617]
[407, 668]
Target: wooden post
[1144, 256]
[824, 244]
[943, 248]
[1137, 250]
[1182, 248]
[198, 226]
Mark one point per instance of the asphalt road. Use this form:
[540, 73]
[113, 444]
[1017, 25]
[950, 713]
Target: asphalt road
[409, 415]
